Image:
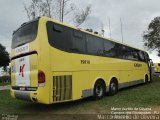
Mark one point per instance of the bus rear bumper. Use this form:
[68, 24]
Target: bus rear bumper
[31, 96]
[22, 95]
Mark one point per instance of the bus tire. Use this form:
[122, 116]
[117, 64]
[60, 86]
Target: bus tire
[146, 79]
[99, 90]
[113, 87]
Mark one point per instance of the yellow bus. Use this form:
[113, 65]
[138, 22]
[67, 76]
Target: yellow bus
[52, 62]
[156, 67]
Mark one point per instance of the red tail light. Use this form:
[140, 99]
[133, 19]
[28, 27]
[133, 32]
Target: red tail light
[41, 78]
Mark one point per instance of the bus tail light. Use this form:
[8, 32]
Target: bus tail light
[41, 78]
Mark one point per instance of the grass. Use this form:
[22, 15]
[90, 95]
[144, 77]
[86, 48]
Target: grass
[3, 84]
[145, 95]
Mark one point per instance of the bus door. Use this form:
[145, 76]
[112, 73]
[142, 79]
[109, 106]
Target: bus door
[150, 64]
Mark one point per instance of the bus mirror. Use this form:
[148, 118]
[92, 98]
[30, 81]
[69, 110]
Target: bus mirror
[151, 62]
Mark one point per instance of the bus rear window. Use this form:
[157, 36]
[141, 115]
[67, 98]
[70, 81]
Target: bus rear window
[25, 34]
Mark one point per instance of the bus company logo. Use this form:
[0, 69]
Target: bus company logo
[21, 70]
[22, 49]
[137, 65]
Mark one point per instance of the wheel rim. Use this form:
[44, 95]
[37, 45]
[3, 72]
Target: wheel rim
[99, 90]
[113, 87]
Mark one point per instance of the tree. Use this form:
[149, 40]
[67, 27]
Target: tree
[38, 8]
[4, 57]
[57, 9]
[50, 8]
[152, 35]
[82, 16]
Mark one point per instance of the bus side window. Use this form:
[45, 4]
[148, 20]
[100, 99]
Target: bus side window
[135, 55]
[125, 53]
[94, 45]
[119, 51]
[78, 42]
[78, 34]
[141, 56]
[109, 49]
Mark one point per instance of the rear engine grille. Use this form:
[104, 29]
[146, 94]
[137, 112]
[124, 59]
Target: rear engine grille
[62, 88]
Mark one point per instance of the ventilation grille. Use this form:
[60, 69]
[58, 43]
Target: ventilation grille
[62, 88]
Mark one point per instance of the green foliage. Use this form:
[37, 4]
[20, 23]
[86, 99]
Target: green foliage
[4, 57]
[152, 35]
[5, 79]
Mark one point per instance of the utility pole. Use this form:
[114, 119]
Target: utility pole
[109, 27]
[121, 29]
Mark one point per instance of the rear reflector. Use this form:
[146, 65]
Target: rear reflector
[41, 78]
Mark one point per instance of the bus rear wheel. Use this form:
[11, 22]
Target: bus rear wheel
[99, 90]
[113, 87]
[146, 79]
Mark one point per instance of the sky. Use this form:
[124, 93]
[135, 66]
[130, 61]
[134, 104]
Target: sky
[134, 14]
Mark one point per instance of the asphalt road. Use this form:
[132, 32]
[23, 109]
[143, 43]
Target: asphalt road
[7, 87]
